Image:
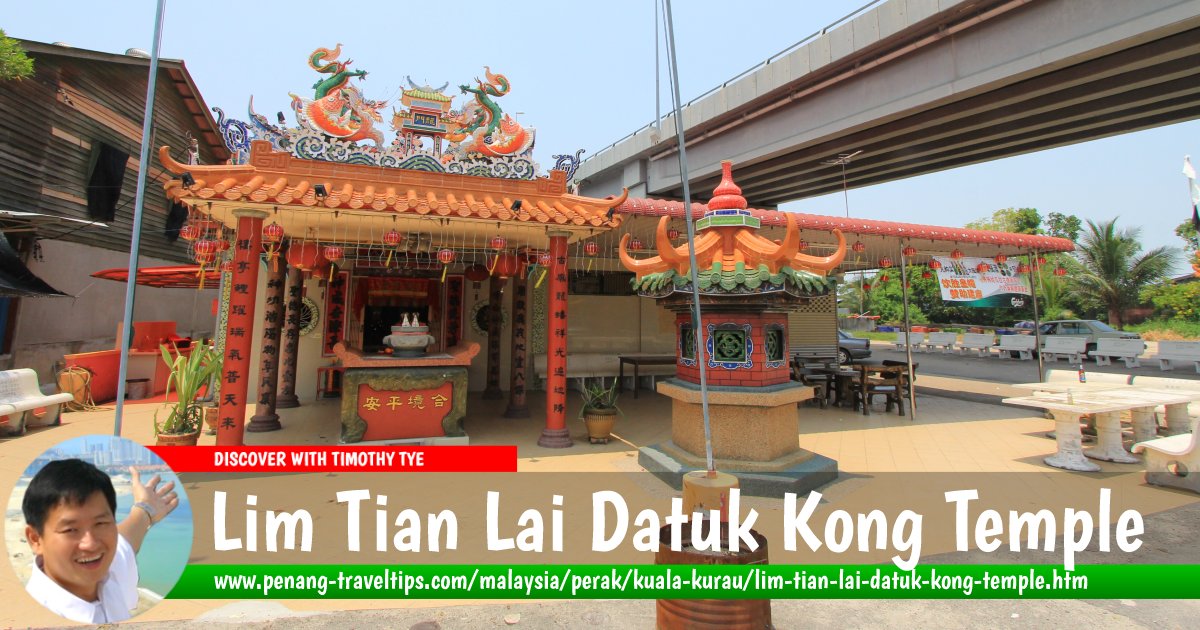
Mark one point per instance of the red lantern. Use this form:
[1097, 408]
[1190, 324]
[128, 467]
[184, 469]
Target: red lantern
[272, 233]
[476, 273]
[926, 274]
[981, 267]
[672, 234]
[497, 243]
[885, 262]
[392, 238]
[956, 254]
[506, 266]
[635, 244]
[543, 258]
[305, 256]
[591, 248]
[858, 246]
[1000, 259]
[445, 256]
[910, 251]
[227, 266]
[803, 245]
[206, 246]
[1022, 268]
[883, 277]
[935, 265]
[332, 253]
[189, 232]
[1060, 271]
[866, 286]
[1041, 260]
[222, 245]
[203, 258]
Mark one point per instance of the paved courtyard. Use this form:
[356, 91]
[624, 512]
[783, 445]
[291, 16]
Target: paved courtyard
[949, 439]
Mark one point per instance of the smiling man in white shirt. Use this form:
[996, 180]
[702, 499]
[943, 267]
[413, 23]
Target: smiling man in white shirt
[85, 567]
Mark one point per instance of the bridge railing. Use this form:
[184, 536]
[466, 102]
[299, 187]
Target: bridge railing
[762, 64]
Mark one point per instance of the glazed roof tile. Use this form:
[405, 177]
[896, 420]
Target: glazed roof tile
[279, 179]
[861, 227]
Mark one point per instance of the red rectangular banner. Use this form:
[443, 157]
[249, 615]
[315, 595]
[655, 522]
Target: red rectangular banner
[339, 458]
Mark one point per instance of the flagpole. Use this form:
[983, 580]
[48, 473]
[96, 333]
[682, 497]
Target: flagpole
[138, 211]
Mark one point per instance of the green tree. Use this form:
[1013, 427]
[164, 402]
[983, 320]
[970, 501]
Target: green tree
[1016, 220]
[1188, 233]
[1112, 273]
[14, 64]
[1174, 301]
[1065, 226]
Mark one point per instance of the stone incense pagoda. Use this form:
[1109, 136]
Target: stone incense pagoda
[747, 284]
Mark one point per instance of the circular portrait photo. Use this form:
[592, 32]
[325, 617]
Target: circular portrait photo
[98, 529]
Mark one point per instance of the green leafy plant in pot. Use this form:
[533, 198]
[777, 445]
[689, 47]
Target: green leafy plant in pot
[188, 374]
[600, 409]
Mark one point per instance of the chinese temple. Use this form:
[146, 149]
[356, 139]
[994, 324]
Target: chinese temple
[390, 236]
[393, 270]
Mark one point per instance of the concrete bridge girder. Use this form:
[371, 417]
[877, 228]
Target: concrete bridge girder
[1043, 74]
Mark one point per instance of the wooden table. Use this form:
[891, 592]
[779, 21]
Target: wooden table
[843, 379]
[638, 360]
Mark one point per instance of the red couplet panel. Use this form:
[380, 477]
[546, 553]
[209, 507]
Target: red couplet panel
[555, 433]
[239, 331]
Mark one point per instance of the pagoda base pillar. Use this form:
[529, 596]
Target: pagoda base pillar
[754, 437]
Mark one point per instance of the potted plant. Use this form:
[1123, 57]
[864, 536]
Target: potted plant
[188, 374]
[600, 409]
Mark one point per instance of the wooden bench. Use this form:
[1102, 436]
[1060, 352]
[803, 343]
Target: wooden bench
[1128, 350]
[1171, 352]
[943, 340]
[1072, 348]
[903, 339]
[1172, 461]
[980, 343]
[20, 396]
[1023, 345]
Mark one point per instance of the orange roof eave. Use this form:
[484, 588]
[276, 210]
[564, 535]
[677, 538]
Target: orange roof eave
[865, 227]
[280, 179]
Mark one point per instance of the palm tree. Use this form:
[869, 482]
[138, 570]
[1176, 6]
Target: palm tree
[1112, 273]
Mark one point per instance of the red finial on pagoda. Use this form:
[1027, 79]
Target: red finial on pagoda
[727, 195]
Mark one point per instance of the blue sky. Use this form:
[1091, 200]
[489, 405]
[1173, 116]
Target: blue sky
[583, 75]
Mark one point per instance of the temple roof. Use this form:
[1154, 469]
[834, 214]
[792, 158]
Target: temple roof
[275, 179]
[880, 238]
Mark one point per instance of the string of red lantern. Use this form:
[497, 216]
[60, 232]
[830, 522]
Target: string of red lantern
[272, 238]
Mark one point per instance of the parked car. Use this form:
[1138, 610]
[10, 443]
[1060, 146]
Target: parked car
[1024, 325]
[1090, 328]
[851, 348]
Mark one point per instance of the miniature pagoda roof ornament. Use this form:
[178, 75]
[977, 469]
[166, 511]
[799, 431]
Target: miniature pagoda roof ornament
[732, 258]
[338, 123]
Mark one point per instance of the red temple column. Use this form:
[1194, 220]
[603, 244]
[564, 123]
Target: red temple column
[240, 327]
[495, 331]
[517, 407]
[556, 435]
[291, 341]
[265, 418]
